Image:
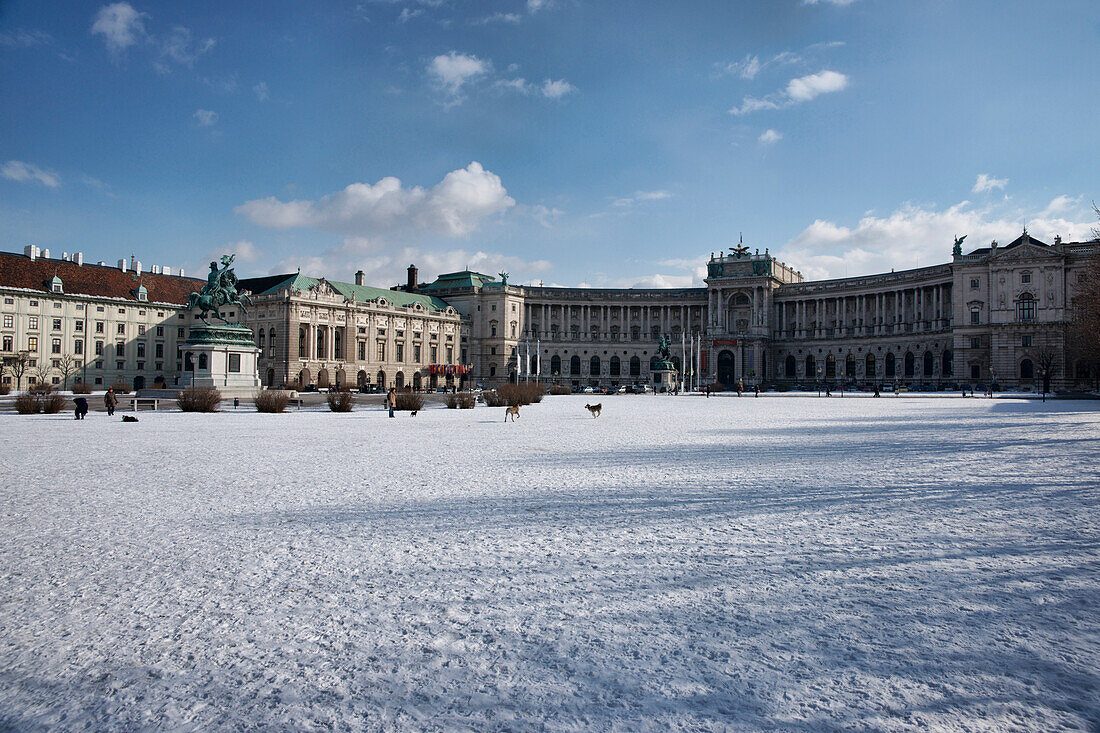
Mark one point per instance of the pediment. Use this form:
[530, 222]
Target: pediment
[1023, 252]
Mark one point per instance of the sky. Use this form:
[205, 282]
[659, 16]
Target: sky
[568, 142]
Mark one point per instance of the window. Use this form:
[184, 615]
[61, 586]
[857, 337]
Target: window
[99, 326]
[975, 316]
[416, 353]
[234, 363]
[141, 350]
[9, 321]
[99, 348]
[494, 331]
[158, 351]
[9, 301]
[494, 306]
[1025, 341]
[450, 352]
[160, 330]
[141, 313]
[34, 304]
[122, 311]
[78, 346]
[141, 329]
[8, 343]
[32, 323]
[1025, 308]
[1025, 278]
[492, 349]
[122, 329]
[58, 303]
[975, 342]
[399, 352]
[32, 343]
[120, 365]
[362, 351]
[141, 366]
[435, 354]
[99, 309]
[80, 306]
[57, 324]
[120, 348]
[79, 326]
[381, 348]
[179, 332]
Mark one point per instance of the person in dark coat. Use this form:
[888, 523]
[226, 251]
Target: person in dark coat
[110, 400]
[81, 407]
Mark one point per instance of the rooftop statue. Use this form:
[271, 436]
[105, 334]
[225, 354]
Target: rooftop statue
[958, 250]
[503, 278]
[220, 290]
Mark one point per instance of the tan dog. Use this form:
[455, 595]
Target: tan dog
[595, 409]
[513, 411]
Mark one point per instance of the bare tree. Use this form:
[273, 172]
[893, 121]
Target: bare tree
[1084, 330]
[68, 367]
[1045, 358]
[19, 365]
[42, 371]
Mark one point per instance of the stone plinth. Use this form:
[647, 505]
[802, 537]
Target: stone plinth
[224, 357]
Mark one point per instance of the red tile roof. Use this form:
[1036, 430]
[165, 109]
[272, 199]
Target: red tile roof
[18, 271]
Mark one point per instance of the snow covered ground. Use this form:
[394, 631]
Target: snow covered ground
[787, 563]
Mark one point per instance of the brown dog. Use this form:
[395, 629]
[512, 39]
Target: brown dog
[513, 411]
[595, 409]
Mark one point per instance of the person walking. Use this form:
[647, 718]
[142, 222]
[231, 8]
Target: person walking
[391, 400]
[110, 400]
[81, 407]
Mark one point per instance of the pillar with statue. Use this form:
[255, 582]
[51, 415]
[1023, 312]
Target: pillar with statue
[221, 355]
[664, 371]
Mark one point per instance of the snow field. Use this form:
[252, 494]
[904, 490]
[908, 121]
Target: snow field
[772, 563]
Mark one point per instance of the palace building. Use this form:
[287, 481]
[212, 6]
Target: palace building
[996, 313]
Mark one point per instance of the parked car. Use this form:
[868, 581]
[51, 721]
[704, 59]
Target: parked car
[623, 389]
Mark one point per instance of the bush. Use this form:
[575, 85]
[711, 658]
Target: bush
[463, 400]
[340, 401]
[493, 398]
[5, 389]
[293, 385]
[121, 388]
[199, 399]
[82, 388]
[27, 403]
[507, 395]
[271, 400]
[560, 389]
[409, 401]
[51, 402]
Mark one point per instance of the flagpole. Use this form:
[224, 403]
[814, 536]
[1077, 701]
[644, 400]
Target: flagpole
[538, 360]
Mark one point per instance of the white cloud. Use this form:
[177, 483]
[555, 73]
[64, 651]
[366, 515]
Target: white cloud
[639, 196]
[206, 117]
[534, 6]
[770, 136]
[261, 91]
[17, 170]
[178, 48]
[798, 90]
[747, 69]
[1061, 205]
[499, 18]
[22, 38]
[557, 89]
[120, 25]
[454, 207]
[988, 183]
[408, 14]
[916, 236]
[452, 70]
[838, 3]
[544, 215]
[383, 267]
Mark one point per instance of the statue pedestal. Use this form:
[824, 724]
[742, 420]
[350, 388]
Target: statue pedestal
[664, 380]
[224, 357]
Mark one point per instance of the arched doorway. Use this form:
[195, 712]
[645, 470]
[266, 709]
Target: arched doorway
[574, 365]
[139, 383]
[891, 368]
[416, 381]
[870, 369]
[725, 367]
[614, 367]
[811, 367]
[830, 367]
[399, 380]
[341, 378]
[929, 364]
[789, 367]
[850, 367]
[910, 364]
[594, 366]
[381, 379]
[303, 378]
[322, 379]
[635, 366]
[270, 377]
[1027, 371]
[361, 379]
[555, 365]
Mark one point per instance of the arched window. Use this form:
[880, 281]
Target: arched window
[261, 341]
[614, 367]
[381, 379]
[575, 365]
[1025, 308]
[203, 364]
[1027, 369]
[399, 379]
[929, 363]
[594, 366]
[336, 344]
[830, 367]
[271, 342]
[891, 370]
[947, 367]
[869, 366]
[789, 366]
[635, 366]
[811, 367]
[321, 344]
[492, 370]
[302, 343]
[555, 364]
[850, 367]
[910, 363]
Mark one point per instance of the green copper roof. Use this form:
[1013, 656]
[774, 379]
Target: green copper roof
[464, 279]
[360, 293]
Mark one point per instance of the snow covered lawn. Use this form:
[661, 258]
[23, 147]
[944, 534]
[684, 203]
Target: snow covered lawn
[785, 562]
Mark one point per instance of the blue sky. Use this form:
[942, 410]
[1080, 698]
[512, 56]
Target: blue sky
[572, 142]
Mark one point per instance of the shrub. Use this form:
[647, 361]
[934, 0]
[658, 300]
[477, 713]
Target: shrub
[452, 401]
[462, 400]
[121, 388]
[270, 400]
[199, 399]
[493, 399]
[515, 394]
[410, 401]
[51, 402]
[560, 389]
[341, 401]
[82, 388]
[292, 385]
[27, 403]
[5, 389]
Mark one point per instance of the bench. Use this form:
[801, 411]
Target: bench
[139, 403]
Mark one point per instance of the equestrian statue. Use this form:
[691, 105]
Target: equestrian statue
[220, 290]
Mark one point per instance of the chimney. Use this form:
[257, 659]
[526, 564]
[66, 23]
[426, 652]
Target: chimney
[101, 263]
[137, 266]
[155, 269]
[31, 251]
[412, 278]
[45, 254]
[78, 258]
[359, 278]
[65, 256]
[181, 272]
[122, 264]
[166, 269]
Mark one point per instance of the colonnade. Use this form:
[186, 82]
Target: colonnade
[922, 308]
[604, 317]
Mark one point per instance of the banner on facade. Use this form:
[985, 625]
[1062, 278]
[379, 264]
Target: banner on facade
[450, 369]
[724, 342]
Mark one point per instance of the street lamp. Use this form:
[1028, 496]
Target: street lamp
[818, 380]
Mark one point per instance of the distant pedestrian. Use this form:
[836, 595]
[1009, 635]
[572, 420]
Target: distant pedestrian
[740, 387]
[706, 391]
[110, 400]
[391, 400]
[81, 407]
[876, 391]
[897, 390]
[828, 392]
[756, 390]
